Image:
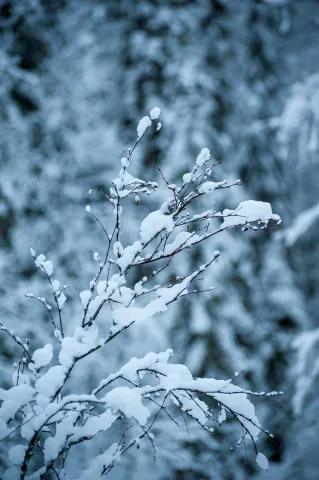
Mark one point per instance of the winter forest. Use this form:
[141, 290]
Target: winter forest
[159, 230]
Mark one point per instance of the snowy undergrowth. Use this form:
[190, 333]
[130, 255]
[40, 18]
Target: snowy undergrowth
[46, 419]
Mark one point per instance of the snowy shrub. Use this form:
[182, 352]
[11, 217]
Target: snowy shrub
[42, 413]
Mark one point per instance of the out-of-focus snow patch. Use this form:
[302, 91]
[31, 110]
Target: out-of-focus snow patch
[262, 461]
[301, 224]
[307, 366]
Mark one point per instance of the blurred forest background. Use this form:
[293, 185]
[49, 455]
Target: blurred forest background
[238, 77]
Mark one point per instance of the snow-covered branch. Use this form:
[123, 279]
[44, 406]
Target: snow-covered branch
[47, 420]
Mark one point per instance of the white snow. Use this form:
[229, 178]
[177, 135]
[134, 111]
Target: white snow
[209, 187]
[55, 285]
[85, 297]
[155, 113]
[183, 239]
[117, 249]
[42, 356]
[61, 300]
[42, 400]
[123, 317]
[76, 346]
[247, 212]
[129, 401]
[14, 399]
[126, 316]
[94, 425]
[47, 266]
[143, 125]
[40, 260]
[236, 400]
[133, 369]
[128, 255]
[221, 415]
[187, 177]
[203, 157]
[20, 378]
[54, 444]
[125, 162]
[51, 381]
[154, 223]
